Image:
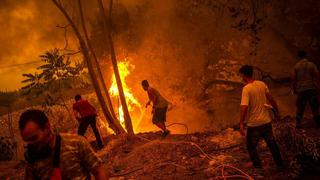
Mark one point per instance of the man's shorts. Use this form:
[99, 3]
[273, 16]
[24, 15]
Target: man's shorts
[159, 115]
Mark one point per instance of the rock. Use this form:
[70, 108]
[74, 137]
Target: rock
[220, 159]
[184, 157]
[227, 138]
[194, 139]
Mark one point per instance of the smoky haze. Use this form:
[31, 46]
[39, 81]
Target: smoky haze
[182, 47]
[28, 28]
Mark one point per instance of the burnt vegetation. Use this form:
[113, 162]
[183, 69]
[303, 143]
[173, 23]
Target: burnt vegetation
[193, 54]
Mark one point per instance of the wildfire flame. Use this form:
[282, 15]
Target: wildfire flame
[131, 100]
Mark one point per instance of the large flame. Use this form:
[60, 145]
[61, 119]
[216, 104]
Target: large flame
[124, 71]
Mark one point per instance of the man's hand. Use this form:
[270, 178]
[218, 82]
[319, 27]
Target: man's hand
[148, 104]
[241, 130]
[244, 110]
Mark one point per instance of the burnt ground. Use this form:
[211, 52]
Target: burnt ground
[181, 157]
[205, 155]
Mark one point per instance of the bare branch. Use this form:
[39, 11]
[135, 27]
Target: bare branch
[71, 53]
[65, 28]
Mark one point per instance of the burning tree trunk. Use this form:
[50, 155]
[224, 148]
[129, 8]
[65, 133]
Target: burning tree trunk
[114, 125]
[108, 37]
[95, 60]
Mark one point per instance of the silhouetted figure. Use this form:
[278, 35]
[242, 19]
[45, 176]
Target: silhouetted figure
[159, 107]
[255, 96]
[56, 156]
[305, 77]
[86, 114]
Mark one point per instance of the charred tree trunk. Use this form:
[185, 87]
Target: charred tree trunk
[114, 125]
[108, 38]
[96, 61]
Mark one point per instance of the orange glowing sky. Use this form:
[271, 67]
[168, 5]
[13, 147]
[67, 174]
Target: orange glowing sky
[28, 28]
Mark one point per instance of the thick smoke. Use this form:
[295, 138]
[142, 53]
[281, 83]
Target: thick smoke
[183, 47]
[28, 28]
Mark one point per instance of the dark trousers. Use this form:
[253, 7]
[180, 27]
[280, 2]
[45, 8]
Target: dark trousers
[311, 97]
[254, 134]
[84, 123]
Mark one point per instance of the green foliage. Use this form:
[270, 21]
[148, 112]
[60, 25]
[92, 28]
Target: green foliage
[35, 81]
[57, 73]
[58, 66]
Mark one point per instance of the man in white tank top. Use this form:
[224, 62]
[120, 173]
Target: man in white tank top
[255, 96]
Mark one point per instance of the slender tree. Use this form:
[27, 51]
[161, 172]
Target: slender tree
[114, 125]
[108, 39]
[95, 60]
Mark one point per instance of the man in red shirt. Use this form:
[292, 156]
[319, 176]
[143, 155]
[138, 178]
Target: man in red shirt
[86, 114]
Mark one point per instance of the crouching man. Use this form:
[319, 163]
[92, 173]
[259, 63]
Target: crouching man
[56, 156]
[255, 96]
[159, 107]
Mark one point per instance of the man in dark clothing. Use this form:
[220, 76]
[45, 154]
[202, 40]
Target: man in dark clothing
[86, 114]
[305, 77]
[159, 107]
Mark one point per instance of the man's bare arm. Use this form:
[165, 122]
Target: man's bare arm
[152, 98]
[76, 115]
[293, 80]
[244, 111]
[273, 104]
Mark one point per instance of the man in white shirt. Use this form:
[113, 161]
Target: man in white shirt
[255, 95]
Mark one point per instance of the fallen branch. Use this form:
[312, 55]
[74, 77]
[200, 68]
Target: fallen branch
[65, 35]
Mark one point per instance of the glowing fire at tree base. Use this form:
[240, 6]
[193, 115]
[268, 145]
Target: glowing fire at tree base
[131, 100]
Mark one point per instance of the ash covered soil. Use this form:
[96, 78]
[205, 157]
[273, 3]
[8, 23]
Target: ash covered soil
[205, 155]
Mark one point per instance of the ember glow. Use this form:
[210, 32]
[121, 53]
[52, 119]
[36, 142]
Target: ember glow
[132, 102]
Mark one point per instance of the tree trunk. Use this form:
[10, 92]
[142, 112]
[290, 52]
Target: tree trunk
[108, 38]
[114, 125]
[96, 61]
